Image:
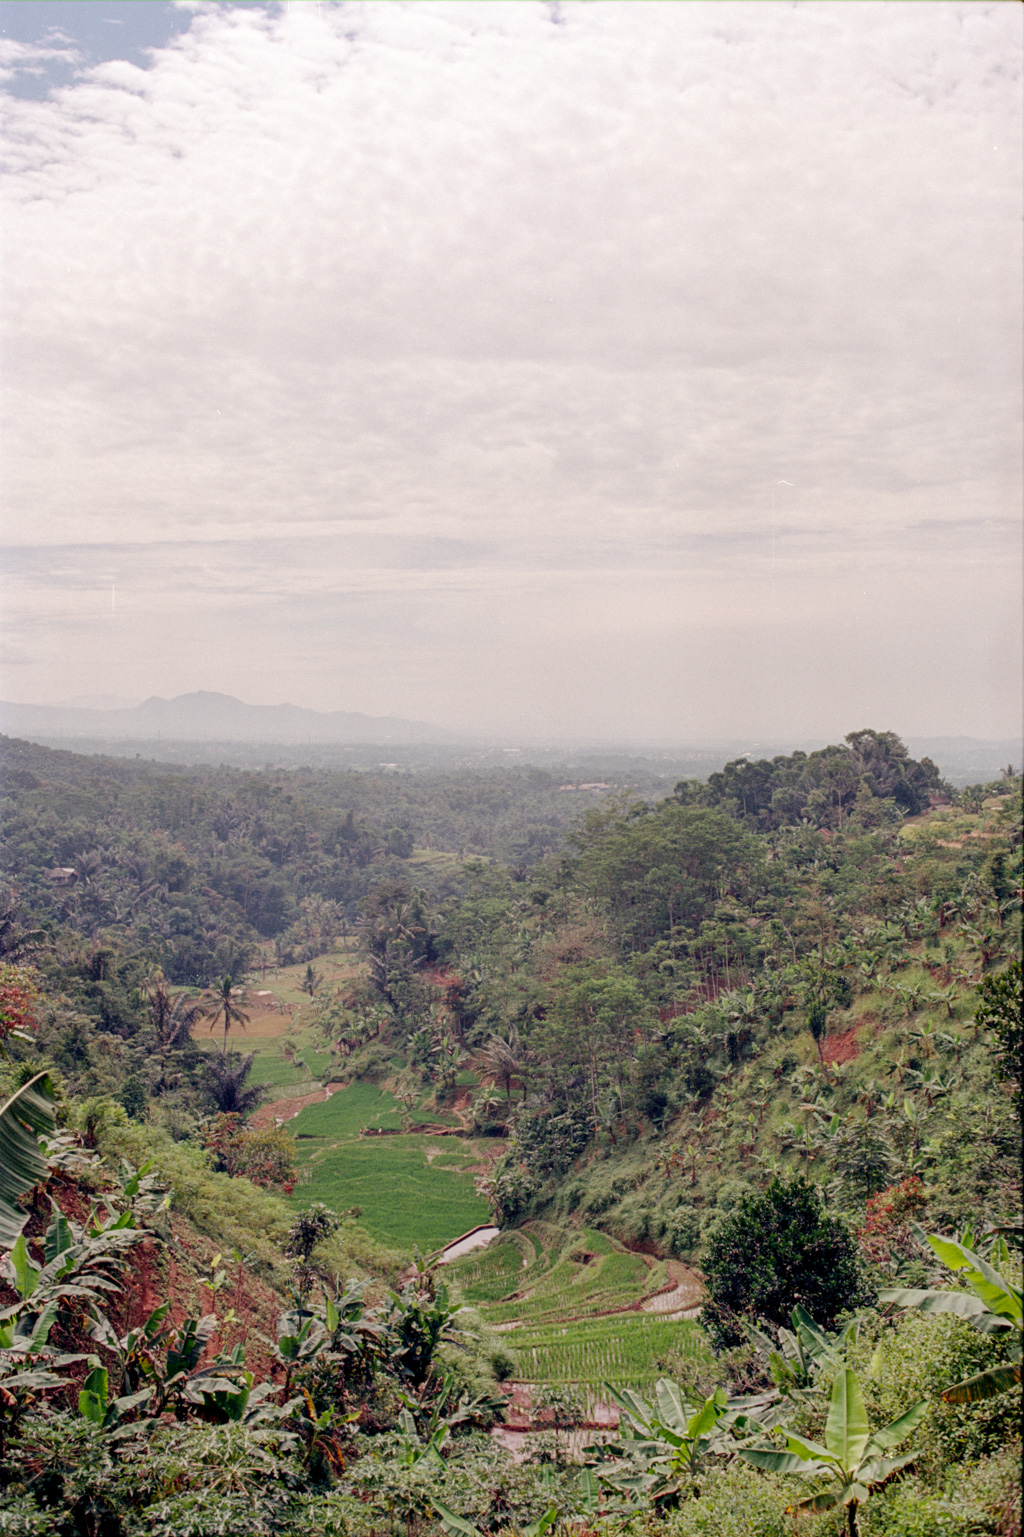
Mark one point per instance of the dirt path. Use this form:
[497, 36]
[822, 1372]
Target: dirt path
[278, 1110]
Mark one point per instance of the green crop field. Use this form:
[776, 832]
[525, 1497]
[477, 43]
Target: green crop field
[627, 1350]
[569, 1300]
[590, 1276]
[347, 1113]
[406, 1198]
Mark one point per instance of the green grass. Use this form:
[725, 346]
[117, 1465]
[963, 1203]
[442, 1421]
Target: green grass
[405, 1199]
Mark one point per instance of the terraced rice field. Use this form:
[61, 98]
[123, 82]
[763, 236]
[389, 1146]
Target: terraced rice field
[628, 1350]
[569, 1305]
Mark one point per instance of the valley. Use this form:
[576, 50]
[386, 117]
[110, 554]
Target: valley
[719, 1066]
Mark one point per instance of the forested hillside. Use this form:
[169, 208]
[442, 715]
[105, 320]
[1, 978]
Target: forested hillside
[746, 1048]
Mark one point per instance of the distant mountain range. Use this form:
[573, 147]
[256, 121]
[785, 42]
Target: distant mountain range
[208, 717]
[177, 729]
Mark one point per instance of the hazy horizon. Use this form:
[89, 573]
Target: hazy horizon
[619, 372]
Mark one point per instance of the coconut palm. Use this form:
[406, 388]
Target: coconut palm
[503, 1060]
[224, 1009]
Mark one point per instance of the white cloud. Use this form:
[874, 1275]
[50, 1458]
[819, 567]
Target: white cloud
[344, 292]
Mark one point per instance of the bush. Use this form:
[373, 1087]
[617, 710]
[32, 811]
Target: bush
[774, 1250]
[734, 1502]
[984, 1497]
[234, 1212]
[920, 1358]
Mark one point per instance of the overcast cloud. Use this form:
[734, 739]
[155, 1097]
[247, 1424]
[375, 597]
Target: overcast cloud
[445, 359]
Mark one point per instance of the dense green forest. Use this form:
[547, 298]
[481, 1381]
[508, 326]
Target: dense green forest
[752, 1044]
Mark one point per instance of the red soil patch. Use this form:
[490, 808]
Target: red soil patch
[841, 1048]
[157, 1271]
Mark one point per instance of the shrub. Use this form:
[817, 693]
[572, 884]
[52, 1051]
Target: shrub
[265, 1155]
[734, 1502]
[920, 1358]
[777, 1249]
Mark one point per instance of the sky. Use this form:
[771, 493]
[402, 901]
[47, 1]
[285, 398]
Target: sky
[599, 369]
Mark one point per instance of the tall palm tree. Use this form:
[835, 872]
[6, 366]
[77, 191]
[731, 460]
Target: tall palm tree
[504, 1060]
[224, 1009]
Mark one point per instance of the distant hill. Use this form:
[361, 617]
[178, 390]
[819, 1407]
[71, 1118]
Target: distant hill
[210, 727]
[204, 717]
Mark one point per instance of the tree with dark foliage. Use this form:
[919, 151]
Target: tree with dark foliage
[779, 1248]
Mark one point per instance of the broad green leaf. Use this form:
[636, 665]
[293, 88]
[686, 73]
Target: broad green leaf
[333, 1317]
[132, 1401]
[991, 1287]
[824, 1501]
[897, 1430]
[453, 1523]
[34, 1380]
[538, 1528]
[846, 1431]
[987, 1384]
[671, 1408]
[782, 1462]
[92, 1400]
[44, 1323]
[637, 1409]
[22, 1165]
[879, 1468]
[155, 1319]
[704, 1420]
[991, 1323]
[590, 1489]
[964, 1304]
[58, 1238]
[955, 1256]
[26, 1276]
[805, 1448]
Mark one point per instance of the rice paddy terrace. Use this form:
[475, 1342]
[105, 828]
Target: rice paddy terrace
[579, 1309]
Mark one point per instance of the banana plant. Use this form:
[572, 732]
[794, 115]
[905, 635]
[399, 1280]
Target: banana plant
[802, 1351]
[80, 1269]
[666, 1445]
[994, 1305]
[22, 1165]
[27, 1367]
[439, 1407]
[853, 1456]
[458, 1526]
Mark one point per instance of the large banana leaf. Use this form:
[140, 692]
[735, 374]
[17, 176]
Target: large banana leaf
[998, 1379]
[964, 1304]
[995, 1291]
[899, 1429]
[22, 1165]
[846, 1432]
